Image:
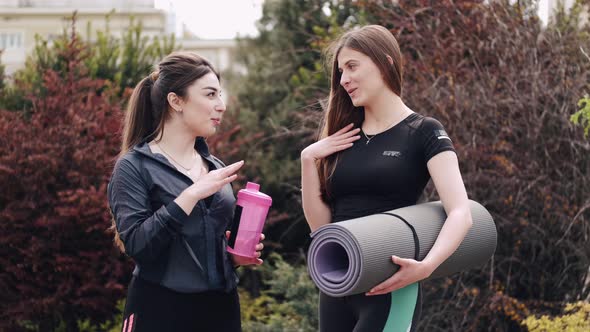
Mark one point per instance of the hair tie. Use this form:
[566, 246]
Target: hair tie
[154, 76]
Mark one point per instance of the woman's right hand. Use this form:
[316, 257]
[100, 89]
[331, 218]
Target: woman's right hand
[213, 181]
[340, 140]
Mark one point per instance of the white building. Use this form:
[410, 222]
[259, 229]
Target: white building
[21, 20]
[219, 51]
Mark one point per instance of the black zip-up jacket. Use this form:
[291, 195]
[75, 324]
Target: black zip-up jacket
[185, 253]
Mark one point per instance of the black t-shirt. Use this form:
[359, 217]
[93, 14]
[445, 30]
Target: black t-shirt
[390, 171]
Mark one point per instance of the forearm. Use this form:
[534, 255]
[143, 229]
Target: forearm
[145, 236]
[450, 237]
[317, 213]
[144, 232]
[187, 201]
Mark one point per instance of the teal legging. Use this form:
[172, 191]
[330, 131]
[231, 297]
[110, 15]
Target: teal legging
[394, 312]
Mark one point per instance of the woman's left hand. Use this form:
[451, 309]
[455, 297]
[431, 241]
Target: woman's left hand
[241, 260]
[410, 271]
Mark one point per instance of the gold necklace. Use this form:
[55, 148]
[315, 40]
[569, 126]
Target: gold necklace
[187, 170]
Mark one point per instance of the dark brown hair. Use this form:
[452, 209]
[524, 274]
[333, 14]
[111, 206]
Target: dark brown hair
[148, 107]
[377, 43]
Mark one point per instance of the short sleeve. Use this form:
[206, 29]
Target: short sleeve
[435, 138]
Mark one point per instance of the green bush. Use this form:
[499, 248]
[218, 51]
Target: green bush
[289, 302]
[582, 117]
[576, 318]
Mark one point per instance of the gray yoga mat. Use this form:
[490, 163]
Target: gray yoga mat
[352, 256]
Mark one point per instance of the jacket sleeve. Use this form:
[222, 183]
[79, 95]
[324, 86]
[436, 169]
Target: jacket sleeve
[146, 234]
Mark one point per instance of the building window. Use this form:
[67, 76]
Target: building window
[11, 40]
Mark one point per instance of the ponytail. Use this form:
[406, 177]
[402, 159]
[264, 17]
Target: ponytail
[139, 118]
[140, 124]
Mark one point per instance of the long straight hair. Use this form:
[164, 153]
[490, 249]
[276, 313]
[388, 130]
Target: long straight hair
[377, 43]
[148, 107]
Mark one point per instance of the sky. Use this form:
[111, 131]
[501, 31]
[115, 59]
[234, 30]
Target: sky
[225, 19]
[216, 19]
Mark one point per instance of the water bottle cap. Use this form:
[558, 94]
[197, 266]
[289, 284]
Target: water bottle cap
[252, 194]
[252, 186]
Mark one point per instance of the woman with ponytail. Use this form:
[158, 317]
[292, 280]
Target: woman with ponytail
[375, 154]
[172, 202]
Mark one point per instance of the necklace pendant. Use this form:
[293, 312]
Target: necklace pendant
[368, 140]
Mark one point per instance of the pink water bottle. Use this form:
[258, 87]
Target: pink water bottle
[249, 217]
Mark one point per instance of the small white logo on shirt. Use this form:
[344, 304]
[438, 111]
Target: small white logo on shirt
[392, 153]
[441, 134]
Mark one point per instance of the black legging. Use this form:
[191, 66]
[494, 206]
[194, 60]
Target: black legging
[151, 307]
[394, 312]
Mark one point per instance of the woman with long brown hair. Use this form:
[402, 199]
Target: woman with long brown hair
[375, 154]
[172, 202]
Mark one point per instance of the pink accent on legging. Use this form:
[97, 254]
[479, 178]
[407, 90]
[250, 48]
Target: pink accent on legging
[131, 323]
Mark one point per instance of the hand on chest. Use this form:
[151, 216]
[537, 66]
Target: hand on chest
[386, 163]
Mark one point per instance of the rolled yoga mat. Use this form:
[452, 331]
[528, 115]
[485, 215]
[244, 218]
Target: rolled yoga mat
[352, 256]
